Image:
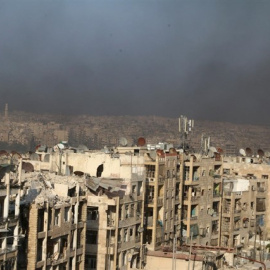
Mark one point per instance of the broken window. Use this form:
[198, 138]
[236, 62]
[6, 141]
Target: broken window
[40, 220]
[92, 213]
[99, 170]
[66, 214]
[80, 211]
[57, 217]
[134, 189]
[92, 237]
[126, 211]
[125, 235]
[260, 205]
[91, 262]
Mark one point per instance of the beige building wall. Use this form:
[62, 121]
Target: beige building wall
[242, 166]
[163, 263]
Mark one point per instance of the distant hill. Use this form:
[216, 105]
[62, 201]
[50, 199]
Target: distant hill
[98, 131]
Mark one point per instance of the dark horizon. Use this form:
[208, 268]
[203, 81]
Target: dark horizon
[208, 60]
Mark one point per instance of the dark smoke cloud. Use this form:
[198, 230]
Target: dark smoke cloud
[207, 59]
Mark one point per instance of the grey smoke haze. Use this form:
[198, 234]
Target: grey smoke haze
[206, 59]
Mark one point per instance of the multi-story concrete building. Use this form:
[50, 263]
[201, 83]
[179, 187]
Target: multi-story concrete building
[115, 202]
[10, 230]
[243, 211]
[202, 199]
[56, 226]
[162, 198]
[141, 197]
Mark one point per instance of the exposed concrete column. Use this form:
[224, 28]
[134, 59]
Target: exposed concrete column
[189, 211]
[83, 238]
[155, 214]
[191, 169]
[117, 201]
[6, 201]
[32, 238]
[44, 247]
[75, 235]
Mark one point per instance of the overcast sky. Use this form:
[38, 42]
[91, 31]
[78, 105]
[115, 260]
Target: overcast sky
[205, 59]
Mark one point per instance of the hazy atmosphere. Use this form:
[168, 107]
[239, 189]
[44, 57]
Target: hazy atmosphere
[206, 59]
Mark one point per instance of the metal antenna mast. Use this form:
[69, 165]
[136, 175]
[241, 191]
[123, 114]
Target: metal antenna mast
[185, 127]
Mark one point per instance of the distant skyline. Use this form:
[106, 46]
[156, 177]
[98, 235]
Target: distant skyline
[209, 60]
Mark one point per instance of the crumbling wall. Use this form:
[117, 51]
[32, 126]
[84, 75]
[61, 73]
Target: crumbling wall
[32, 238]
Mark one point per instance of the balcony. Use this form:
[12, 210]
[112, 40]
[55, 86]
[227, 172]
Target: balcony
[160, 201]
[237, 212]
[216, 194]
[149, 200]
[195, 199]
[227, 193]
[226, 228]
[150, 174]
[261, 189]
[161, 180]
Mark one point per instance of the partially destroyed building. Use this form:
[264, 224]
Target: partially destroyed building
[161, 200]
[10, 230]
[115, 202]
[55, 212]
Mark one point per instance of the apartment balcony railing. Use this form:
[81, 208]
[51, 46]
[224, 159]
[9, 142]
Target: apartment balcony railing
[160, 201]
[150, 174]
[195, 198]
[149, 200]
[161, 180]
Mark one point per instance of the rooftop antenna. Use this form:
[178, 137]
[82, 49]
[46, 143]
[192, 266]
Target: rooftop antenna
[185, 127]
[205, 144]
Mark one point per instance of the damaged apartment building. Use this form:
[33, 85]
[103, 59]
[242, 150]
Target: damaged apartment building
[134, 201]
[115, 201]
[54, 214]
[10, 230]
[121, 208]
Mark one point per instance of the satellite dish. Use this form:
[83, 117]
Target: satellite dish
[213, 149]
[242, 152]
[83, 147]
[220, 150]
[60, 146]
[123, 141]
[248, 152]
[141, 141]
[260, 153]
[35, 157]
[210, 153]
